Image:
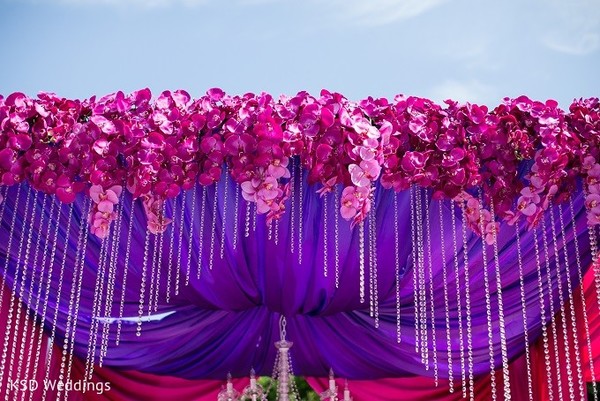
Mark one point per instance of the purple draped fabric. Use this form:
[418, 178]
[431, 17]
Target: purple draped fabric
[228, 319]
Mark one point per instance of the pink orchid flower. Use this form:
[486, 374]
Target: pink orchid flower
[153, 207]
[354, 202]
[593, 216]
[267, 189]
[594, 171]
[349, 203]
[100, 223]
[106, 199]
[592, 201]
[362, 175]
[278, 168]
[528, 201]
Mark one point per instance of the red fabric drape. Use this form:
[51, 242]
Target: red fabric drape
[131, 385]
[424, 389]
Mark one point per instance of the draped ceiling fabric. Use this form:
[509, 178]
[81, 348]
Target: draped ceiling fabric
[228, 212]
[228, 319]
[134, 385]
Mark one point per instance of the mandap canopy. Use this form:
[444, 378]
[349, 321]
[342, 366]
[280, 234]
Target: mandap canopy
[397, 237]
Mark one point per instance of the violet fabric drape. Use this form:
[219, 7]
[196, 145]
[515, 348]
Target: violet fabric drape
[423, 388]
[135, 385]
[227, 320]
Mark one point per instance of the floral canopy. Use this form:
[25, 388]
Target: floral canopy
[397, 237]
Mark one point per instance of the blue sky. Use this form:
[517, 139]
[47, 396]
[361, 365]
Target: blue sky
[470, 50]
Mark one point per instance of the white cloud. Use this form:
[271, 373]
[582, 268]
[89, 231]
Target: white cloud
[382, 12]
[573, 27]
[363, 12]
[472, 91]
[587, 43]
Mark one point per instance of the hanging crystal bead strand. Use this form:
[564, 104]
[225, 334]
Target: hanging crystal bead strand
[459, 289]
[8, 250]
[96, 307]
[190, 237]
[325, 233]
[415, 263]
[180, 244]
[421, 204]
[7, 337]
[213, 226]
[52, 253]
[253, 217]
[543, 316]
[595, 261]
[503, 346]
[370, 248]
[591, 229]
[361, 258]
[58, 295]
[582, 294]
[563, 315]
[21, 291]
[31, 313]
[446, 301]
[4, 193]
[270, 230]
[138, 331]
[201, 233]
[159, 265]
[488, 306]
[236, 216]
[431, 297]
[153, 269]
[467, 291]
[582, 395]
[79, 265]
[112, 272]
[74, 279]
[32, 339]
[20, 331]
[292, 206]
[300, 213]
[552, 314]
[126, 269]
[373, 244]
[247, 220]
[82, 264]
[397, 271]
[524, 310]
[171, 244]
[336, 235]
[224, 218]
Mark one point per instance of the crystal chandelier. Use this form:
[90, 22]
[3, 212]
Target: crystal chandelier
[282, 375]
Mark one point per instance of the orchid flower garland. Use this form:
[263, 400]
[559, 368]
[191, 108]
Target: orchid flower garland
[156, 148]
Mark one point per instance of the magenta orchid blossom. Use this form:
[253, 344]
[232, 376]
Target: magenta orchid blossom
[158, 148]
[103, 211]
